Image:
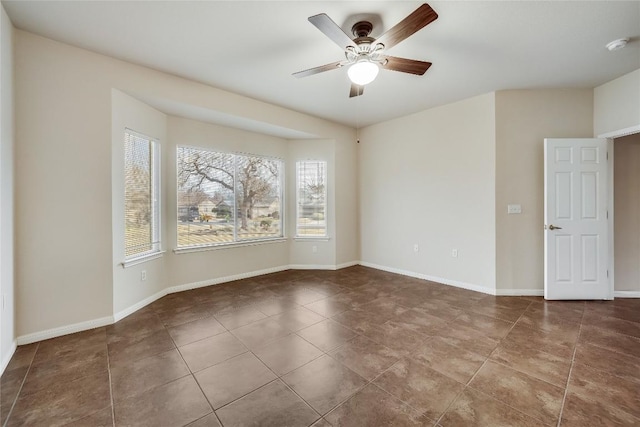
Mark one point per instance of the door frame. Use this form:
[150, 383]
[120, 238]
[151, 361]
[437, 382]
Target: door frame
[611, 136]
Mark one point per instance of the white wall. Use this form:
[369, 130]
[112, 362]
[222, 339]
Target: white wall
[64, 237]
[7, 332]
[129, 113]
[616, 104]
[523, 119]
[429, 179]
[627, 213]
[301, 250]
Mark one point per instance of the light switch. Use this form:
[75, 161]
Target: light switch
[514, 209]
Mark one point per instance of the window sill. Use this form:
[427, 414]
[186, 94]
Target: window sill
[310, 238]
[191, 249]
[139, 260]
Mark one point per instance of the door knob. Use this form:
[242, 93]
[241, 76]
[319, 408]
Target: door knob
[553, 227]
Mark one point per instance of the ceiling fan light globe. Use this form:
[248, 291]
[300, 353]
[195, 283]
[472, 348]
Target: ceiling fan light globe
[363, 72]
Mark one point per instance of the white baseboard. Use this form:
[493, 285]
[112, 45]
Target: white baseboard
[626, 294]
[7, 357]
[520, 292]
[456, 283]
[65, 330]
[312, 267]
[137, 306]
[347, 264]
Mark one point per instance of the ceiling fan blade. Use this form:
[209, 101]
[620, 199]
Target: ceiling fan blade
[332, 30]
[417, 20]
[320, 69]
[356, 90]
[405, 65]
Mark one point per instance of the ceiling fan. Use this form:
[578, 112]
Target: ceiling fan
[366, 55]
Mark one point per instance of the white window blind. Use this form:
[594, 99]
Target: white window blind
[311, 199]
[141, 195]
[227, 198]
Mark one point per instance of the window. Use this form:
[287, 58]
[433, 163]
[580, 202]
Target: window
[227, 198]
[311, 199]
[141, 195]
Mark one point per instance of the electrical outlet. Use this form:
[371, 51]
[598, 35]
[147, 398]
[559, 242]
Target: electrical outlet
[416, 248]
[314, 249]
[143, 275]
[454, 253]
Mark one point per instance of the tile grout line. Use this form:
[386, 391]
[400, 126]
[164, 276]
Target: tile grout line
[15, 400]
[480, 368]
[573, 357]
[113, 407]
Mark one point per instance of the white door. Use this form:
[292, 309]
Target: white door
[576, 241]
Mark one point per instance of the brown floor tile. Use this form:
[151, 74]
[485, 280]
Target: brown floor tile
[538, 364]
[22, 357]
[137, 377]
[608, 389]
[534, 397]
[195, 331]
[373, 407]
[299, 318]
[177, 316]
[384, 308]
[468, 339]
[288, 353]
[135, 326]
[71, 344]
[102, 418]
[613, 324]
[359, 321]
[321, 423]
[210, 351]
[233, 378]
[232, 319]
[419, 320]
[517, 303]
[447, 359]
[473, 408]
[426, 390]
[497, 311]
[66, 367]
[618, 364]
[440, 309]
[131, 349]
[570, 311]
[327, 335]
[62, 403]
[365, 357]
[581, 411]
[210, 420]
[324, 383]
[327, 307]
[278, 305]
[606, 339]
[176, 403]
[553, 343]
[549, 323]
[397, 337]
[257, 334]
[488, 326]
[625, 309]
[320, 286]
[273, 405]
[9, 387]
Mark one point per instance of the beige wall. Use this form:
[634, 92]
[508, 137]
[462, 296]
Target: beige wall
[7, 333]
[627, 213]
[128, 112]
[523, 119]
[65, 257]
[428, 179]
[617, 104]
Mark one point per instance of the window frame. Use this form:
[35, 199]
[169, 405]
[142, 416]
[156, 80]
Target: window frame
[324, 236]
[237, 241]
[155, 196]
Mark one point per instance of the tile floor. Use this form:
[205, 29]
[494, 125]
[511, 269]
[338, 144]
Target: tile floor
[354, 347]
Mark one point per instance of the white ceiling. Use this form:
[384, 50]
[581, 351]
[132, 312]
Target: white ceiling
[251, 48]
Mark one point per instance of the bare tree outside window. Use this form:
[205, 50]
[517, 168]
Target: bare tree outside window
[224, 198]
